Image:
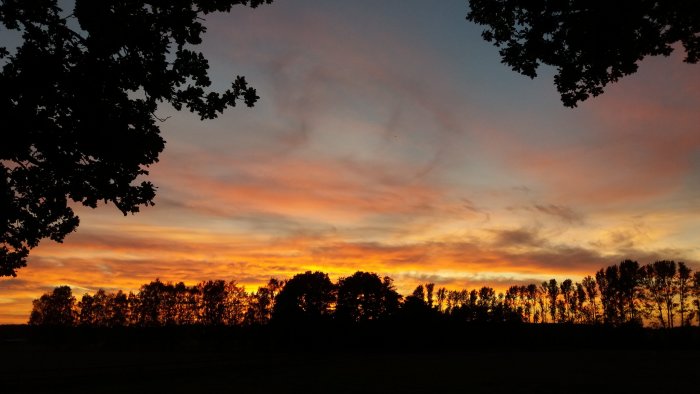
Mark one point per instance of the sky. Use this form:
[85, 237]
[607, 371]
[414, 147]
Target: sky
[389, 138]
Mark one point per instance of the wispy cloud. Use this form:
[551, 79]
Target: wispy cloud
[562, 212]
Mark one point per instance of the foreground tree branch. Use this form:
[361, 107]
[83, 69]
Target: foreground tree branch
[590, 43]
[77, 107]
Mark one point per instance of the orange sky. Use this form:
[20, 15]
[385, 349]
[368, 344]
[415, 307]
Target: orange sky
[389, 138]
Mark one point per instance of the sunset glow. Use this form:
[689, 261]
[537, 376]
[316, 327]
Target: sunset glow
[389, 138]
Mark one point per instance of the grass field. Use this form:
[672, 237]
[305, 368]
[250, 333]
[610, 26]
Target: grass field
[86, 365]
[331, 372]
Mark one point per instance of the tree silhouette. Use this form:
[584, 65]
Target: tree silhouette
[619, 287]
[695, 290]
[54, 309]
[78, 107]
[363, 296]
[149, 310]
[566, 288]
[531, 297]
[629, 281]
[513, 300]
[236, 304]
[683, 286]
[542, 301]
[187, 300]
[95, 310]
[486, 303]
[429, 288]
[261, 303]
[629, 294]
[415, 306]
[440, 298]
[134, 305]
[306, 297]
[590, 285]
[213, 307]
[590, 43]
[456, 299]
[658, 281]
[606, 279]
[578, 304]
[552, 295]
[119, 311]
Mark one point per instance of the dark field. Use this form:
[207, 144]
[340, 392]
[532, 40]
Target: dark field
[36, 364]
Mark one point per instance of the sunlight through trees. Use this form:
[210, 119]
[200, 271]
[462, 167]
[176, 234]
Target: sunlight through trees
[662, 294]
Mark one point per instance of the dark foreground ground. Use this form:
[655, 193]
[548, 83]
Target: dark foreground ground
[95, 361]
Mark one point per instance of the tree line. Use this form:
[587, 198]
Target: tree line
[662, 294]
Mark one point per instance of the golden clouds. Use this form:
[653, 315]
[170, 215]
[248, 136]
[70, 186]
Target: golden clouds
[99, 258]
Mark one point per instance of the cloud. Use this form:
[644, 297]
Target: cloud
[634, 146]
[452, 281]
[518, 237]
[562, 212]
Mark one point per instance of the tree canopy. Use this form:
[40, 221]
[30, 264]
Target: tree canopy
[78, 100]
[54, 309]
[363, 296]
[305, 297]
[663, 294]
[590, 43]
